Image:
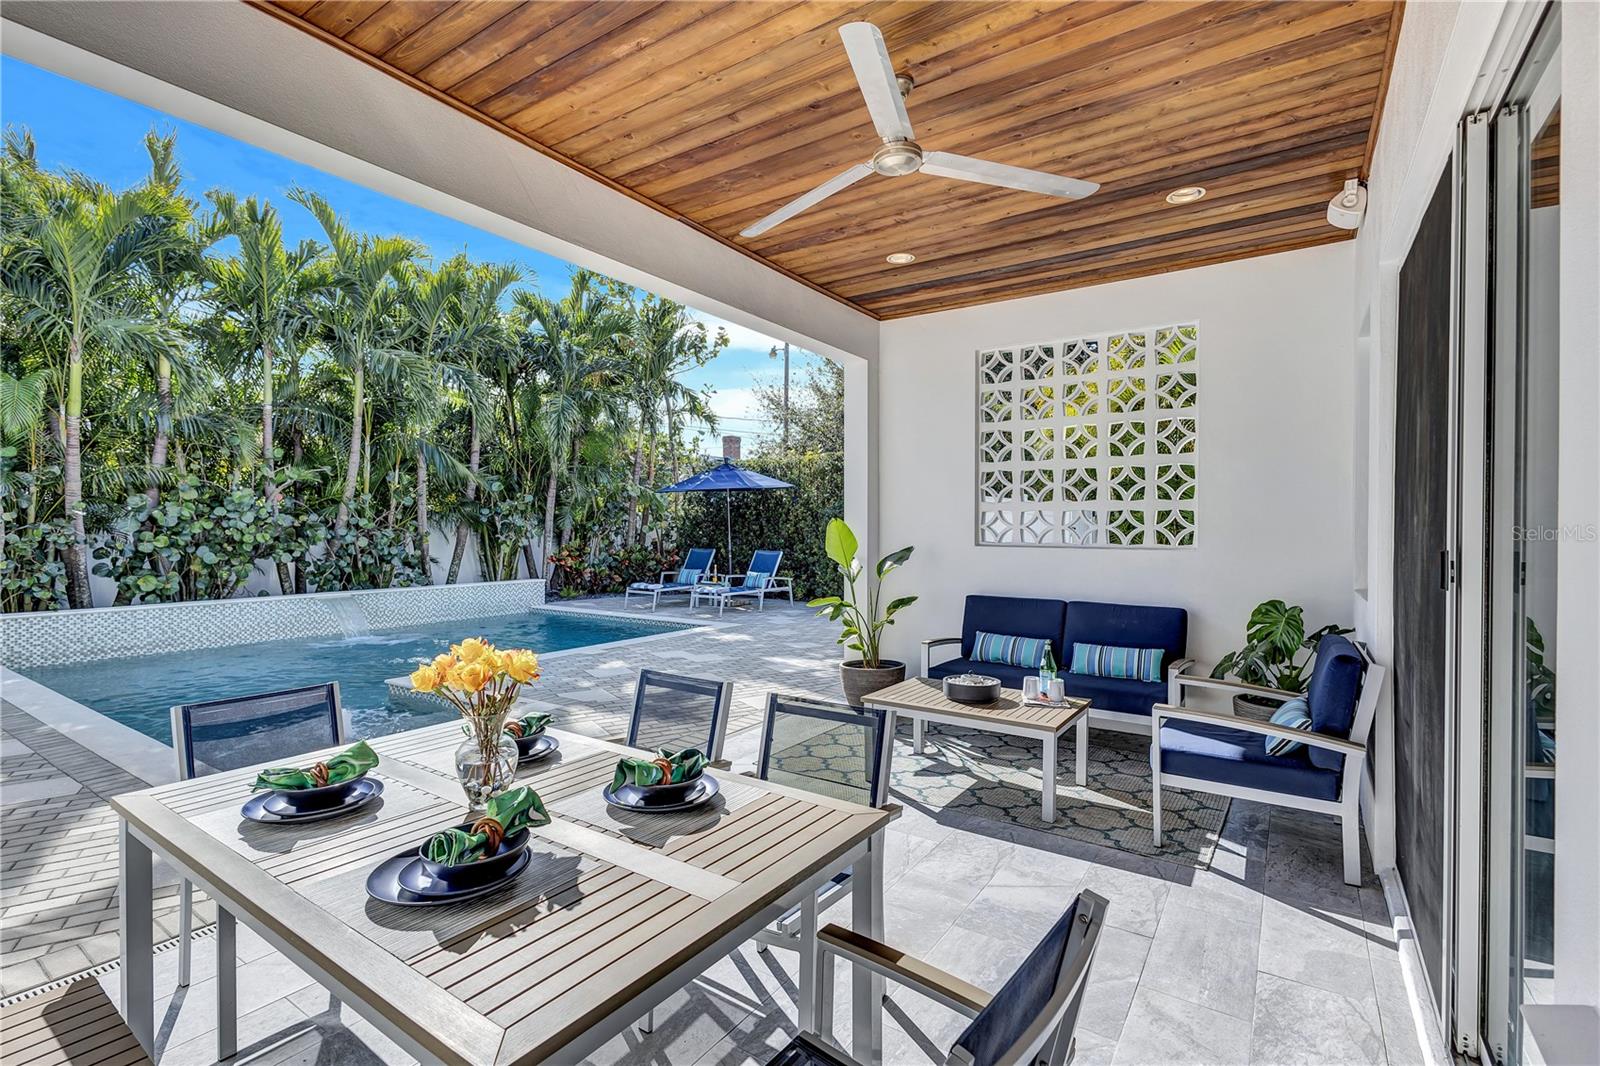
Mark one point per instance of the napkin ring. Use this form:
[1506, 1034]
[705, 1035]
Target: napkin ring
[493, 832]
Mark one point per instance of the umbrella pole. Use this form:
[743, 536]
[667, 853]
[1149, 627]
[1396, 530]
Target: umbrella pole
[727, 508]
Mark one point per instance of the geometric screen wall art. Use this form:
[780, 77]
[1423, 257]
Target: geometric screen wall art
[1090, 442]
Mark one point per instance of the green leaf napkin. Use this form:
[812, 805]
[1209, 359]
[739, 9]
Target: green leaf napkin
[342, 767]
[527, 725]
[668, 767]
[506, 815]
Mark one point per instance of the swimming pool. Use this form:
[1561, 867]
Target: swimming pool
[140, 692]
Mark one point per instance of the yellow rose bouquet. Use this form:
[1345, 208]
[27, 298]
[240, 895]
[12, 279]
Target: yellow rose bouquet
[481, 682]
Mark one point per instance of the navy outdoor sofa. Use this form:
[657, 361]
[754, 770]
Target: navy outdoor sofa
[1115, 700]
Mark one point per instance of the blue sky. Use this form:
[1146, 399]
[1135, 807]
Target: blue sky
[100, 134]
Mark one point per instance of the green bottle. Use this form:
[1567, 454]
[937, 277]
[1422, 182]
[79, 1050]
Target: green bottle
[1047, 668]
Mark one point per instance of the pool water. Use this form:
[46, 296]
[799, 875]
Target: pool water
[141, 691]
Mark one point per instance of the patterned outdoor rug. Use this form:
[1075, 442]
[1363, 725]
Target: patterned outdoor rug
[993, 777]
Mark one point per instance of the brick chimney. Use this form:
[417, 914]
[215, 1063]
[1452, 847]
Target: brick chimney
[730, 447]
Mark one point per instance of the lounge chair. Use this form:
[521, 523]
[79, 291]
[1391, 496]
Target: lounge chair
[759, 582]
[674, 582]
[1212, 751]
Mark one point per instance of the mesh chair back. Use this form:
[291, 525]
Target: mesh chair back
[766, 564]
[1033, 1016]
[241, 731]
[670, 711]
[699, 559]
[828, 748]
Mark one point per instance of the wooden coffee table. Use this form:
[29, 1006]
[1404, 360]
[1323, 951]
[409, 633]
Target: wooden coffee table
[922, 700]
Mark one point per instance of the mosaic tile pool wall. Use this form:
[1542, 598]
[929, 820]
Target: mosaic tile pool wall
[50, 637]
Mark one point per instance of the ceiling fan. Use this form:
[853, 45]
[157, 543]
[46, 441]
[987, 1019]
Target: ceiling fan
[900, 155]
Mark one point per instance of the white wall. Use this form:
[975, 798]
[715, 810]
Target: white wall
[1276, 389]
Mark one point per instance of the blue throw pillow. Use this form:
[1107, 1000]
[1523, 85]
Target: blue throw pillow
[755, 579]
[1012, 651]
[1296, 714]
[689, 577]
[1103, 660]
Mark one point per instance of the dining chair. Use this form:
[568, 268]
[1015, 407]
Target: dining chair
[1031, 1020]
[828, 748]
[677, 712]
[227, 734]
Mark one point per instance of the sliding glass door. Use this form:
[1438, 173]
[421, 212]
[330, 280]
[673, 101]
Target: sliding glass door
[1523, 536]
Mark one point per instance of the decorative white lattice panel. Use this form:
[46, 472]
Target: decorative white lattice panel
[1090, 441]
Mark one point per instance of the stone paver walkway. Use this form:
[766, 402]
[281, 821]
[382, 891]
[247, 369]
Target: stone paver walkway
[58, 856]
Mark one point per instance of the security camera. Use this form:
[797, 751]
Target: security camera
[1348, 206]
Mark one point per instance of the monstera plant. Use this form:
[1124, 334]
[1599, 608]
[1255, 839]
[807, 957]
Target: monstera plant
[861, 622]
[1277, 652]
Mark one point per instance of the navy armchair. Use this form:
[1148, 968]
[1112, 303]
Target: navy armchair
[1126, 702]
[1217, 752]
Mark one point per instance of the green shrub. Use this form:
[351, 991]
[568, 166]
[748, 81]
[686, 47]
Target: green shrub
[200, 543]
[367, 555]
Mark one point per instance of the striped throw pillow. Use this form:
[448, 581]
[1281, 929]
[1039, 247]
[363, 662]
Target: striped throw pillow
[689, 577]
[1296, 714]
[1012, 651]
[1104, 660]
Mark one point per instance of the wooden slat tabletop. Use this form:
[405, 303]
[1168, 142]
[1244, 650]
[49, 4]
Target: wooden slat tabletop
[1010, 710]
[608, 905]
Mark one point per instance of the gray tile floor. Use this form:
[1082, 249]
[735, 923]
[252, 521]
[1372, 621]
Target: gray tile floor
[1267, 957]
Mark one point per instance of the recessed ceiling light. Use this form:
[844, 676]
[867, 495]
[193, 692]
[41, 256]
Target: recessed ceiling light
[1186, 195]
[900, 259]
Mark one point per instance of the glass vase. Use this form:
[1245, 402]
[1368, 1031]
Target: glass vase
[486, 762]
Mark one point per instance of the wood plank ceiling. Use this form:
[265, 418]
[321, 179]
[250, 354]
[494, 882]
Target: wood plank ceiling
[718, 113]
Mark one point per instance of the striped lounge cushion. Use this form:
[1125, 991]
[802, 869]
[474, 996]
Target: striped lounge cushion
[1012, 651]
[1296, 714]
[1104, 660]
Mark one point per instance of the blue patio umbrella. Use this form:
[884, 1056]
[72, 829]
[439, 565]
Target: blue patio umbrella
[727, 479]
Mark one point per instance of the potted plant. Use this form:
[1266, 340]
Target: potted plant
[1277, 654]
[861, 624]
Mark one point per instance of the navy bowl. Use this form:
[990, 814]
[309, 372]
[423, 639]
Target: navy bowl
[316, 799]
[488, 868]
[677, 792]
[525, 744]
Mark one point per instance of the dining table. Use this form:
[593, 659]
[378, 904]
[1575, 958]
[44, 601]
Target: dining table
[615, 910]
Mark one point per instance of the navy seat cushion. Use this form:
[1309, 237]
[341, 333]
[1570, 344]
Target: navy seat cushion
[1010, 676]
[1128, 625]
[1229, 756]
[1016, 616]
[1021, 999]
[1333, 692]
[1128, 695]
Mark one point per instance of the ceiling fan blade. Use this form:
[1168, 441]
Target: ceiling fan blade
[966, 168]
[869, 58]
[810, 199]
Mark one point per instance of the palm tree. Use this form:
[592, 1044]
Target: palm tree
[663, 341]
[432, 300]
[71, 250]
[265, 290]
[573, 345]
[359, 317]
[174, 274]
[482, 334]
